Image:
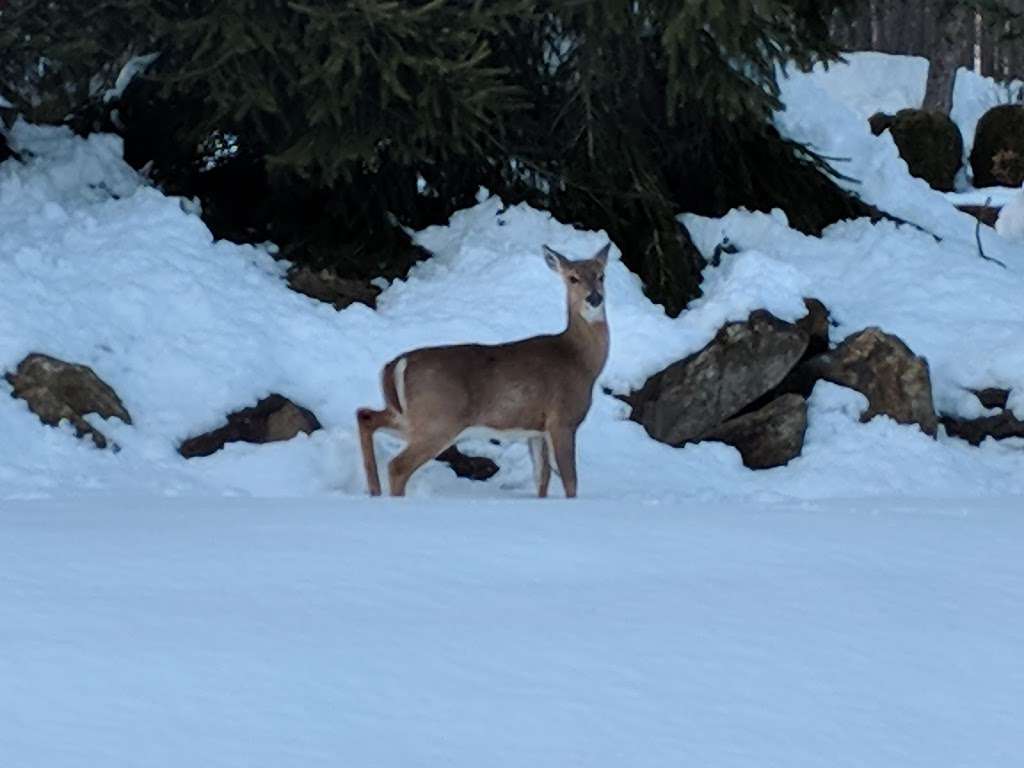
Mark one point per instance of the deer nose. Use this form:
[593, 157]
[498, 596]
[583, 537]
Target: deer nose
[595, 299]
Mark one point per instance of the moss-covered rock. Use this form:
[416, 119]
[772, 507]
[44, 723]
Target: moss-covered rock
[1008, 167]
[1000, 133]
[931, 145]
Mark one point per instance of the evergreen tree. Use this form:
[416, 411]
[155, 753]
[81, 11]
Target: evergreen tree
[643, 109]
[614, 114]
[58, 57]
[346, 103]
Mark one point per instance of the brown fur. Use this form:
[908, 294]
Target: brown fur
[543, 385]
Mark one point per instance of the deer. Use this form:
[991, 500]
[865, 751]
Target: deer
[538, 389]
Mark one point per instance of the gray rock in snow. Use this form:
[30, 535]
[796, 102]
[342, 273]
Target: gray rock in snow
[57, 390]
[880, 366]
[745, 360]
[272, 419]
[327, 286]
[768, 437]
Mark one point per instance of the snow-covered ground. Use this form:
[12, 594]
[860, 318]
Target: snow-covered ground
[866, 82]
[99, 269]
[860, 606]
[251, 634]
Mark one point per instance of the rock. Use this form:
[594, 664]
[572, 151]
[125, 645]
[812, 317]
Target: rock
[325, 285]
[57, 390]
[991, 397]
[272, 419]
[473, 467]
[999, 131]
[879, 365]
[768, 437]
[999, 426]
[880, 122]
[1008, 168]
[815, 324]
[800, 380]
[696, 394]
[931, 145]
[974, 431]
[986, 214]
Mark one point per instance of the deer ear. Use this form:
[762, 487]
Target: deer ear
[554, 259]
[601, 257]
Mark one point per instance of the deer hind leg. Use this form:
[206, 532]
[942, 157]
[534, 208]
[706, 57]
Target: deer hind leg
[541, 458]
[421, 448]
[563, 443]
[370, 421]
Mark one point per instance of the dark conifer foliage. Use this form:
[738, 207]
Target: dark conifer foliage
[328, 118]
[643, 109]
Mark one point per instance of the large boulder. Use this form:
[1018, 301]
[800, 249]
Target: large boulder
[1000, 134]
[768, 437]
[56, 390]
[895, 381]
[272, 419]
[327, 286]
[930, 144]
[816, 324]
[694, 395]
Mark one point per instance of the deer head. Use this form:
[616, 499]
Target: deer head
[584, 282]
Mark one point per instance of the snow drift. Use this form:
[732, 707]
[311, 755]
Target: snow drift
[98, 268]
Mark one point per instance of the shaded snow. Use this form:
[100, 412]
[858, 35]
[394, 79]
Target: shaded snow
[866, 82]
[1010, 223]
[994, 196]
[243, 633]
[819, 116]
[973, 96]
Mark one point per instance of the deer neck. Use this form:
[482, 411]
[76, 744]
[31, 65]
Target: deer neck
[589, 337]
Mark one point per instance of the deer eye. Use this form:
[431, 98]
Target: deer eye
[573, 280]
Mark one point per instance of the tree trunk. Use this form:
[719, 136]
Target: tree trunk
[938, 94]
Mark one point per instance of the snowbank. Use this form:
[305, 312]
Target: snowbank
[256, 634]
[99, 269]
[1010, 223]
[817, 115]
[973, 96]
[867, 82]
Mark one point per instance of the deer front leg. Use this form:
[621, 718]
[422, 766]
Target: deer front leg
[563, 443]
[541, 464]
